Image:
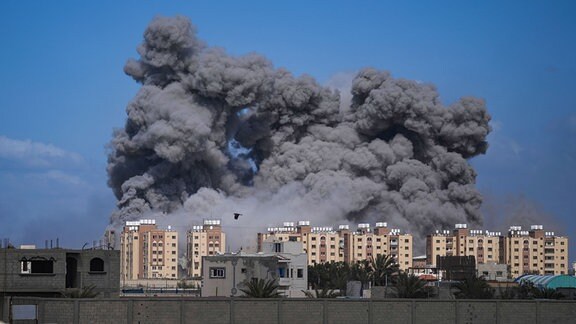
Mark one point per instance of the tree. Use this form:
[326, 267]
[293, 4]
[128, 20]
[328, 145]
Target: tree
[383, 268]
[323, 293]
[261, 288]
[361, 271]
[474, 287]
[547, 293]
[332, 275]
[410, 286]
[508, 292]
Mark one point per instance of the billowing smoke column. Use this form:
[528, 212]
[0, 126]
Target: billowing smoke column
[209, 134]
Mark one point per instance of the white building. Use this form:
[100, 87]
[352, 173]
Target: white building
[286, 262]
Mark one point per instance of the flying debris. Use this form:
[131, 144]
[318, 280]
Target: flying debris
[208, 129]
[236, 215]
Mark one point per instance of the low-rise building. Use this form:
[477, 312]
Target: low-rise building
[285, 262]
[492, 271]
[56, 271]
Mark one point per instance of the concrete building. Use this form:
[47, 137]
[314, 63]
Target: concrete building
[53, 272]
[324, 244]
[524, 252]
[484, 246]
[492, 271]
[148, 252]
[535, 252]
[203, 240]
[284, 261]
[366, 243]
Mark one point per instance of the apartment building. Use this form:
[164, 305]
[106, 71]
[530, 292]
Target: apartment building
[325, 244]
[366, 243]
[203, 240]
[485, 246]
[535, 252]
[524, 252]
[148, 252]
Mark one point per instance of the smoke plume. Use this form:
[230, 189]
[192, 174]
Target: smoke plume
[209, 134]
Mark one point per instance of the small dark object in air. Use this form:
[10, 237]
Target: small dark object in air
[236, 215]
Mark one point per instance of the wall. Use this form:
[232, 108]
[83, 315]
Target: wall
[13, 281]
[246, 310]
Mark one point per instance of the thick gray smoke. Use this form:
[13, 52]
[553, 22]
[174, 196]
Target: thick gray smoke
[209, 134]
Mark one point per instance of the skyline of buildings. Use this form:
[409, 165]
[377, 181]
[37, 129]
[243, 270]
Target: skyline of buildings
[148, 252]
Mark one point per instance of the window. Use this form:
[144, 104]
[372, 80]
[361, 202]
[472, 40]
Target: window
[217, 273]
[277, 247]
[499, 273]
[282, 272]
[96, 265]
[300, 273]
[36, 266]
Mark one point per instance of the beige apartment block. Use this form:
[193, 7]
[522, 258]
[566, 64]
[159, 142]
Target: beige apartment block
[366, 243]
[324, 244]
[321, 244]
[204, 240]
[485, 246]
[524, 252]
[147, 252]
[535, 252]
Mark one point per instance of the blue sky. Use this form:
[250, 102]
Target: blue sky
[63, 91]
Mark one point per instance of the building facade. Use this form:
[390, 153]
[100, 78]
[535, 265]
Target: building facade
[324, 244]
[148, 252]
[55, 272]
[523, 252]
[484, 246]
[535, 252]
[283, 261]
[203, 240]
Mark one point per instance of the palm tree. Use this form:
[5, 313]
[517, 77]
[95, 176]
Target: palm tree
[261, 288]
[332, 275]
[324, 293]
[361, 271]
[383, 268]
[474, 287]
[410, 286]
